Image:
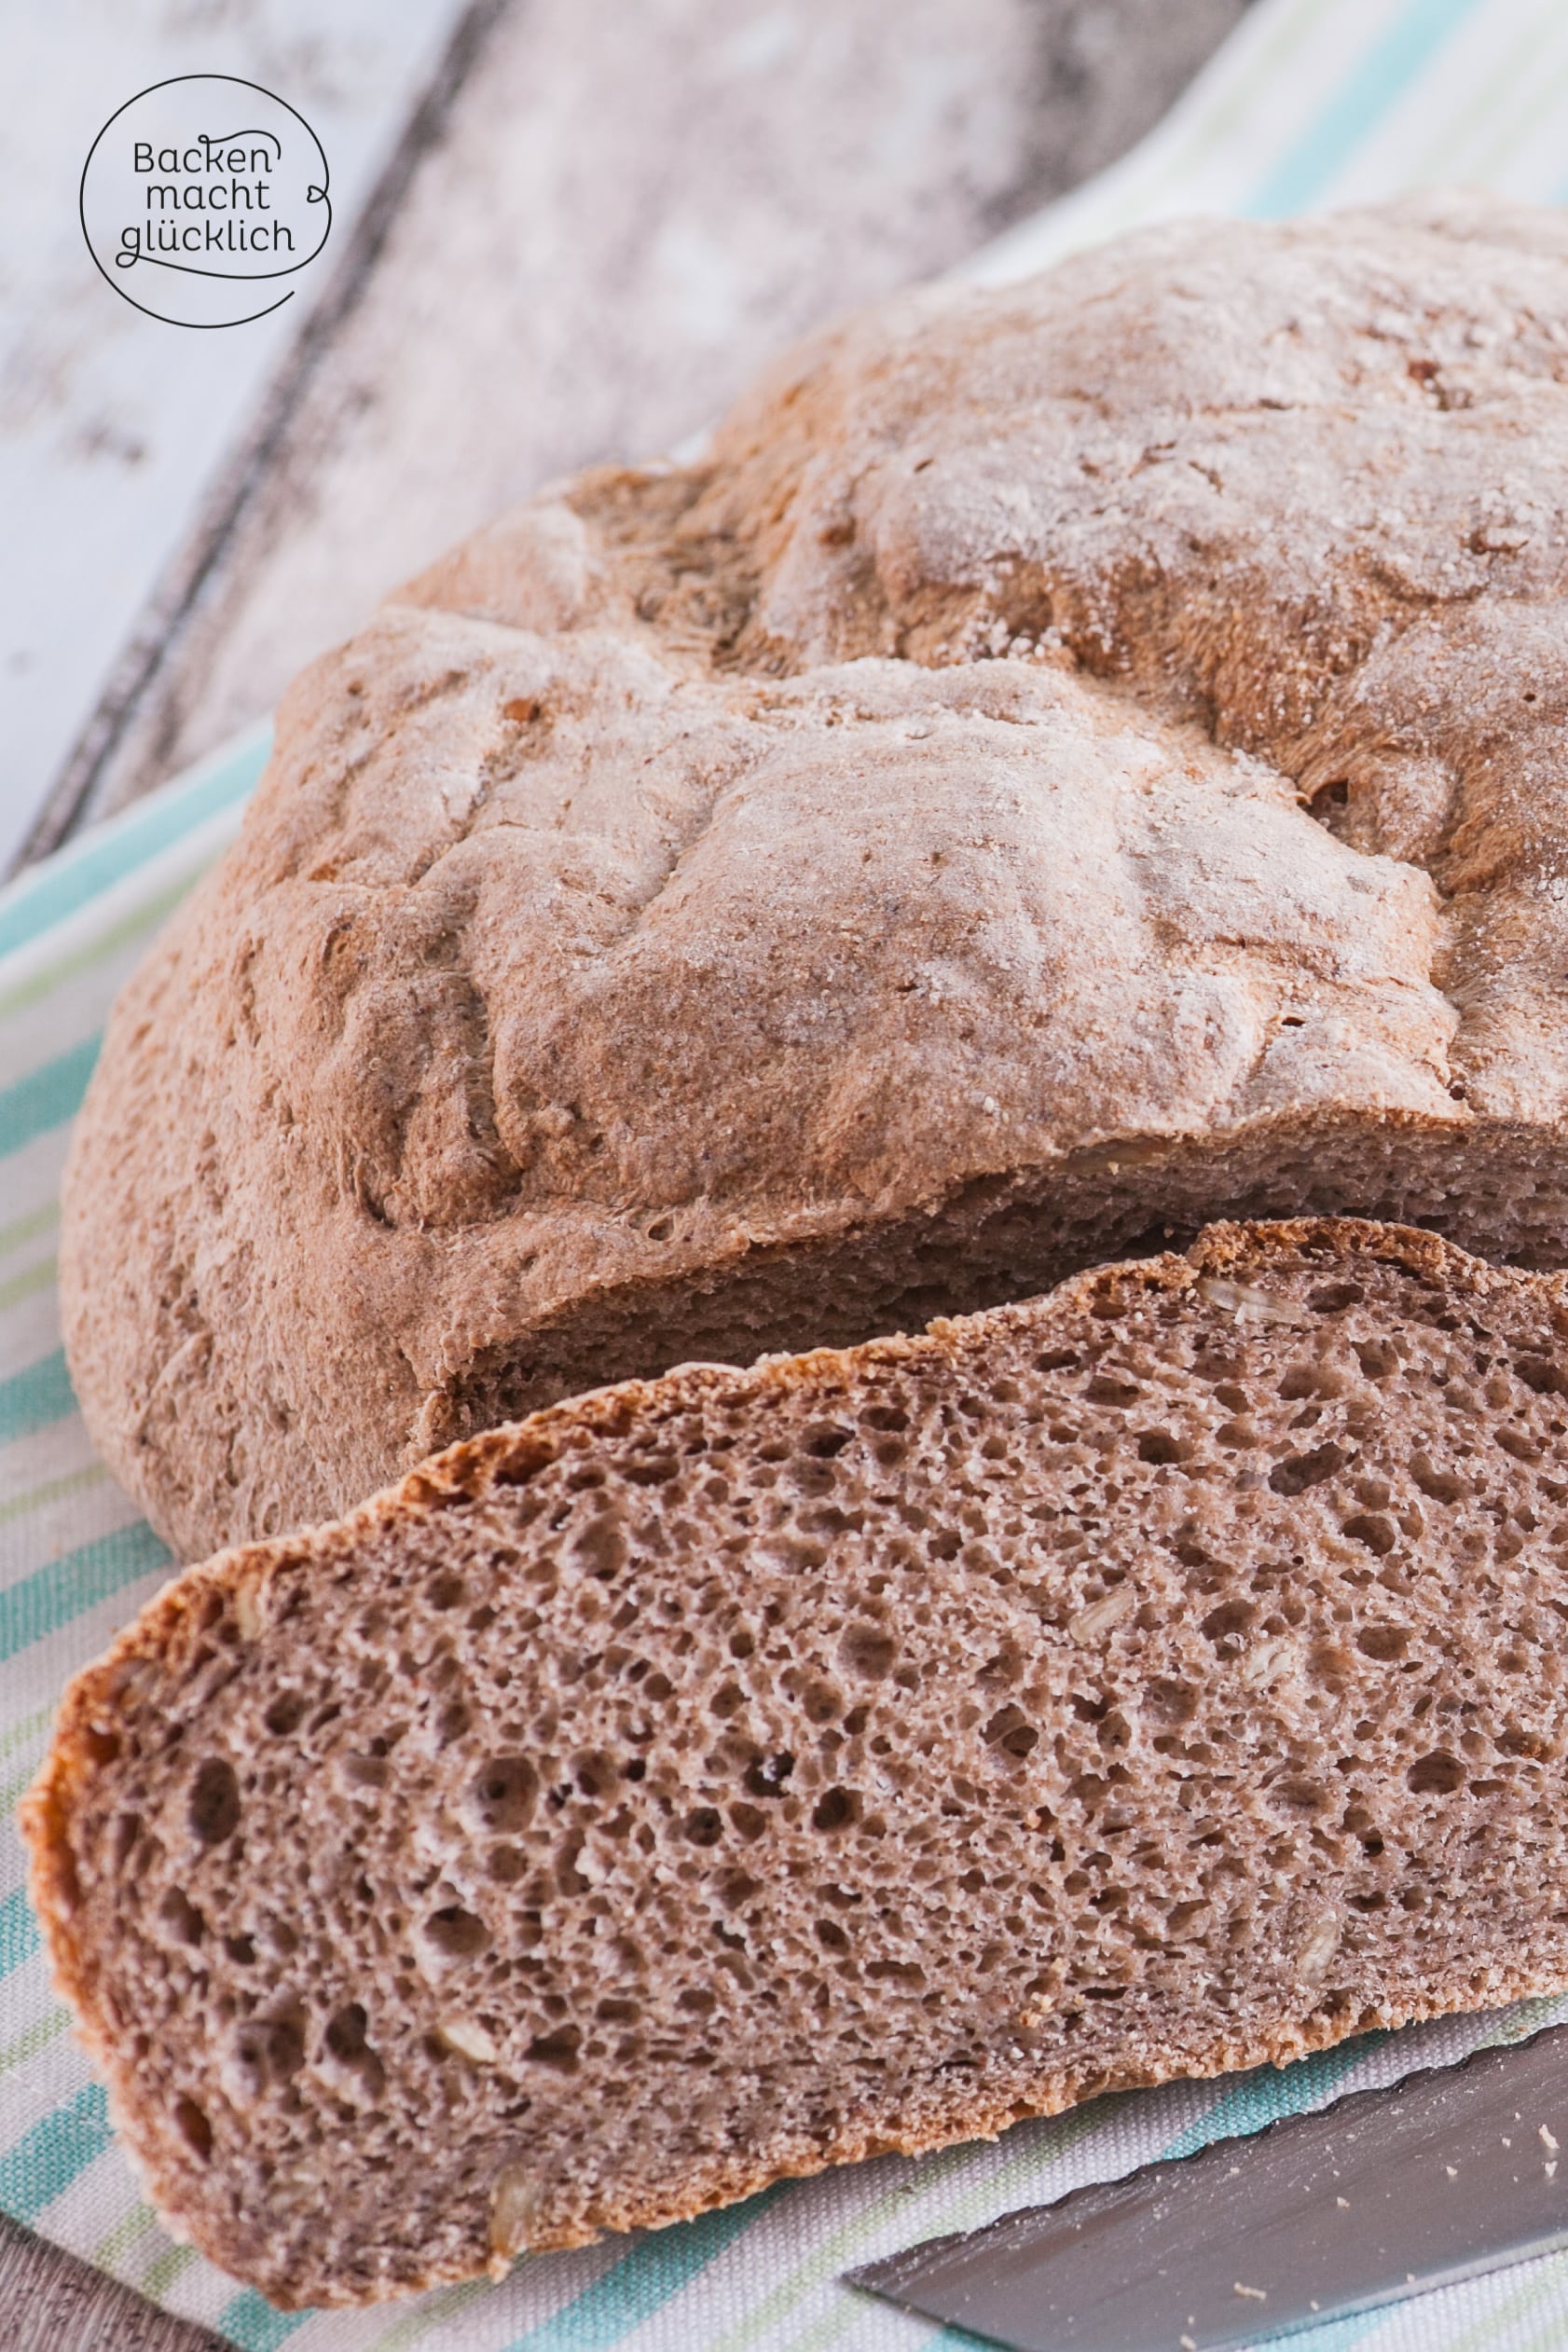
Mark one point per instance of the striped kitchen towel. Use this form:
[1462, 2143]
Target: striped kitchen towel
[1313, 102]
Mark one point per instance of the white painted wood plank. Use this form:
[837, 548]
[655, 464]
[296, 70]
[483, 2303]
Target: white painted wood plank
[111, 423]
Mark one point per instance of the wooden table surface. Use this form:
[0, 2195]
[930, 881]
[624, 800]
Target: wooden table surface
[582, 239]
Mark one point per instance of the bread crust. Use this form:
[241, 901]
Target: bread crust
[1073, 761]
[1230, 1256]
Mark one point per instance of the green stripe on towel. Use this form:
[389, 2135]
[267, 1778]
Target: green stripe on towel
[45, 1097]
[1268, 2092]
[19, 1932]
[1366, 93]
[106, 856]
[46, 2160]
[32, 1399]
[255, 2326]
[657, 2267]
[65, 1588]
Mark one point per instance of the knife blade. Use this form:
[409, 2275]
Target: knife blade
[1451, 2172]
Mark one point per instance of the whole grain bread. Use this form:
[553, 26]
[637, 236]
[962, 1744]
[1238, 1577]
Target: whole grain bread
[714, 1779]
[1072, 761]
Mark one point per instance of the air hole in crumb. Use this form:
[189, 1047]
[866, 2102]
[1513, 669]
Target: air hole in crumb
[193, 2129]
[703, 1826]
[346, 2033]
[285, 2048]
[599, 1549]
[768, 1776]
[868, 1651]
[1010, 1730]
[456, 1933]
[1436, 1775]
[595, 1775]
[1384, 1642]
[215, 1802]
[1371, 1529]
[1300, 1471]
[835, 1808]
[285, 1713]
[177, 1911]
[445, 1591]
[502, 1793]
[1438, 1486]
[652, 1470]
[1229, 1619]
[1162, 1445]
[558, 2049]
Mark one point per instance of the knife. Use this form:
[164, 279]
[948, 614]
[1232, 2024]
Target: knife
[1449, 2173]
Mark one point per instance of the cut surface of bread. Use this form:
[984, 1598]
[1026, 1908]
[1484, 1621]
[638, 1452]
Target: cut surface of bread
[710, 1779]
[1074, 760]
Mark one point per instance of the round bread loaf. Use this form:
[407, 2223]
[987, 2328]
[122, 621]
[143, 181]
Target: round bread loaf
[1072, 761]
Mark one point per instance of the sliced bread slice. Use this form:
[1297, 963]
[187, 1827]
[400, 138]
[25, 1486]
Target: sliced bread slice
[716, 1777]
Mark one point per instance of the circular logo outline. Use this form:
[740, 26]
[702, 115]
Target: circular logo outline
[234, 277]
